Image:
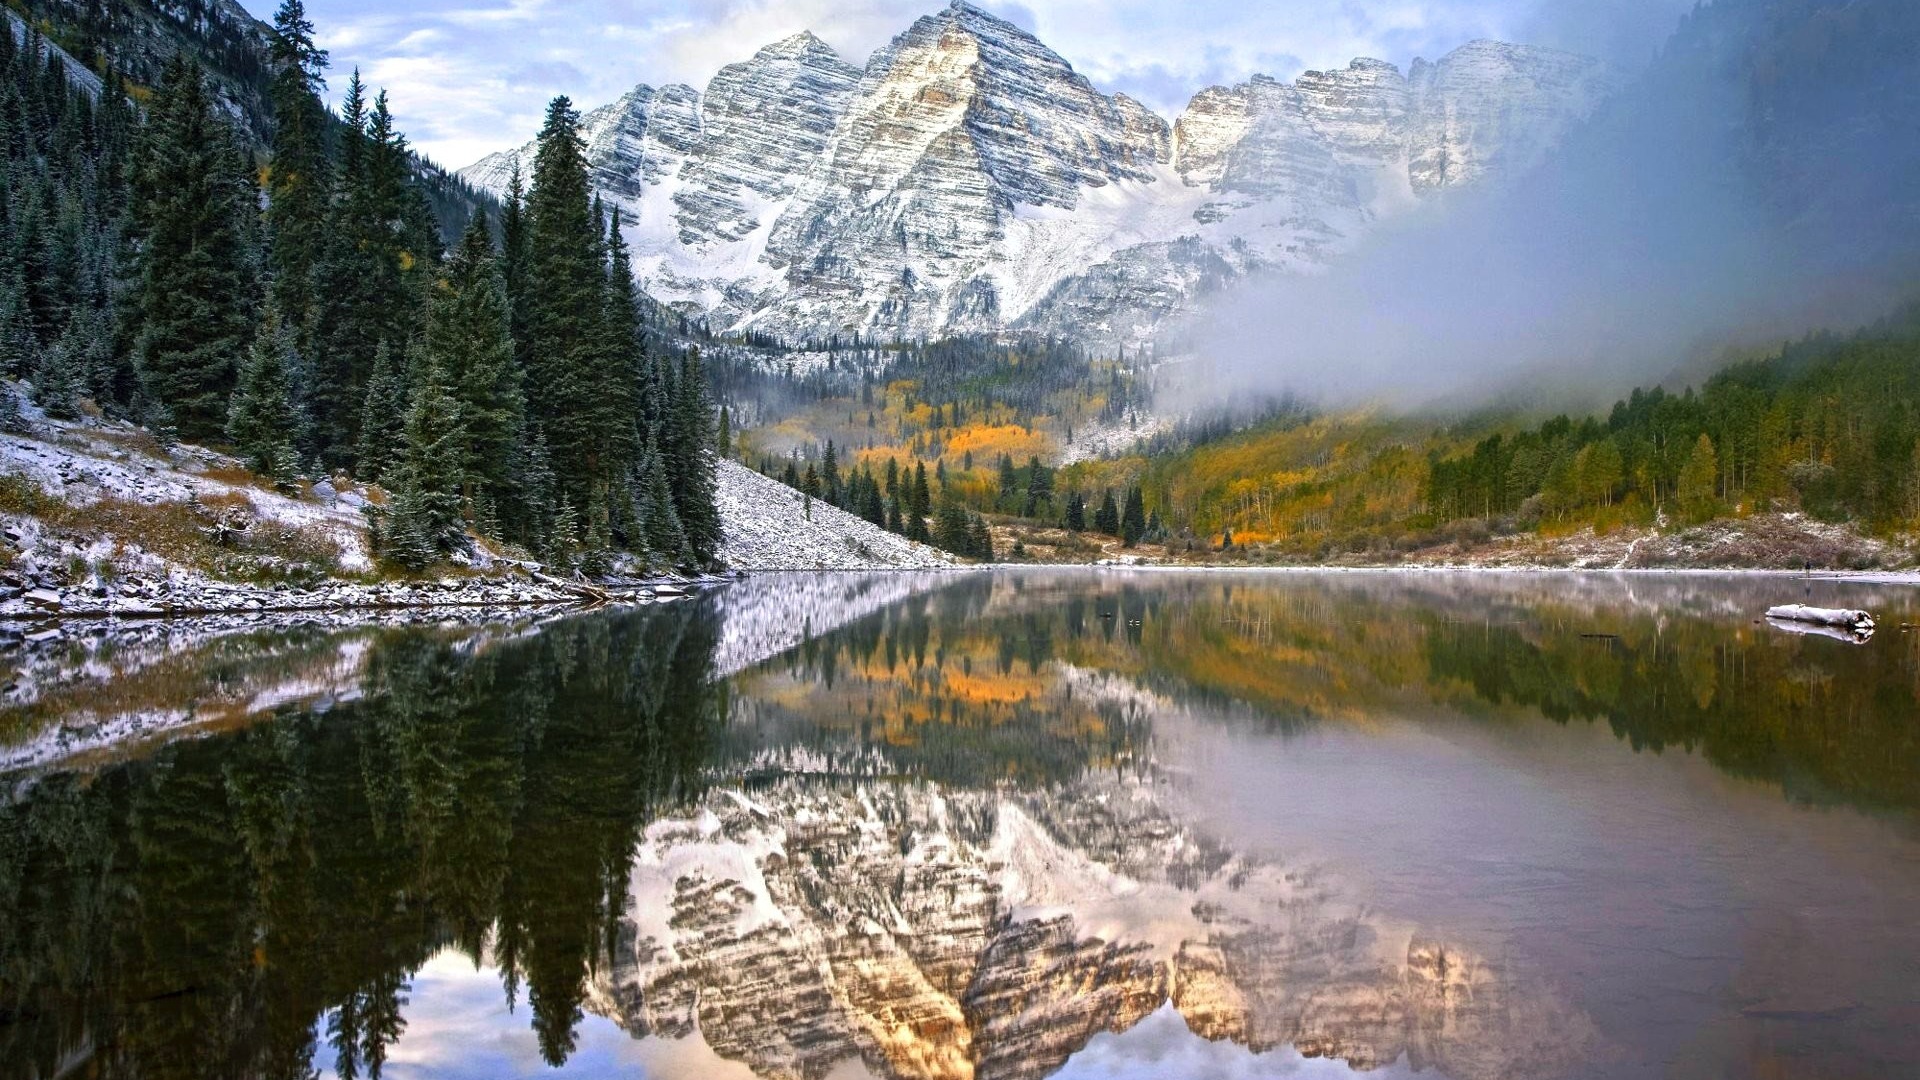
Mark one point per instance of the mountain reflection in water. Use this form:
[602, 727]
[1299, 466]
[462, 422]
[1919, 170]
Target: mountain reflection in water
[994, 825]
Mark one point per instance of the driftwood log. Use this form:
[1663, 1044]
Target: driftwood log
[580, 589]
[1837, 618]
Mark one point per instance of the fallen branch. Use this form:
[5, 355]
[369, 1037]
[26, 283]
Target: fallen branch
[579, 589]
[1840, 618]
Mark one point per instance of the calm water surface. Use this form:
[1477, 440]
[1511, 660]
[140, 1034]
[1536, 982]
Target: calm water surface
[1012, 824]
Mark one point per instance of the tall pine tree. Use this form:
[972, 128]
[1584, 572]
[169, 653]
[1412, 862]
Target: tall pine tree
[263, 419]
[466, 337]
[298, 180]
[565, 293]
[192, 303]
[690, 461]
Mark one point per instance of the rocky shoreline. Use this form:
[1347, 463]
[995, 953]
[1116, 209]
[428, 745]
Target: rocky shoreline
[34, 605]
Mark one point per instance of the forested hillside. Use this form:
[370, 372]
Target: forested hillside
[1828, 426]
[292, 301]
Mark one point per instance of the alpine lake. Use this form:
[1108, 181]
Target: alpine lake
[999, 823]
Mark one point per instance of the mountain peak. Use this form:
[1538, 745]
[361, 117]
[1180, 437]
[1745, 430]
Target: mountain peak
[797, 46]
[966, 177]
[980, 22]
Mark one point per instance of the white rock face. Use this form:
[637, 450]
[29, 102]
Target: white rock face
[969, 179]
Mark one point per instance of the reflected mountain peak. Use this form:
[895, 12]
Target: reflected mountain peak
[939, 933]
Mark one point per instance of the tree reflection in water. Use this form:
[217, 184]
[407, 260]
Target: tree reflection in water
[255, 902]
[196, 913]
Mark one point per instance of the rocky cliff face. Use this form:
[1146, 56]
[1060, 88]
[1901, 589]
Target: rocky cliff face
[936, 933]
[970, 179]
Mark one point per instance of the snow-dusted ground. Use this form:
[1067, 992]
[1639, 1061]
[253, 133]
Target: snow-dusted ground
[86, 461]
[769, 526]
[83, 462]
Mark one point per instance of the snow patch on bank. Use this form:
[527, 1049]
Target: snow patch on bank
[769, 526]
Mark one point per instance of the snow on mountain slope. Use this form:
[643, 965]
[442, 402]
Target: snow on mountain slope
[970, 180]
[769, 526]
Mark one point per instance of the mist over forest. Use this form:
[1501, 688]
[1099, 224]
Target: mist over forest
[1752, 183]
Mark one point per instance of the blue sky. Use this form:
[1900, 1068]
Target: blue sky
[467, 77]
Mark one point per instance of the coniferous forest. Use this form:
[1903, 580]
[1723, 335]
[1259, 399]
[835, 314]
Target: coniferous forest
[294, 299]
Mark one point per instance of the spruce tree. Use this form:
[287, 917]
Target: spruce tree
[263, 420]
[513, 261]
[1107, 518]
[565, 293]
[192, 302]
[1076, 516]
[299, 185]
[466, 335]
[426, 522]
[982, 546]
[1039, 487]
[690, 460]
[919, 501]
[380, 252]
[1133, 520]
[666, 542]
[383, 424]
[620, 373]
[951, 529]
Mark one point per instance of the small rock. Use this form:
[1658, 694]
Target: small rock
[51, 633]
[44, 597]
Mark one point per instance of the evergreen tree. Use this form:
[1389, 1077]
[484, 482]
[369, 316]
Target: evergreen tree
[263, 420]
[665, 540]
[1009, 482]
[383, 426]
[426, 522]
[58, 379]
[872, 506]
[1039, 488]
[919, 502]
[379, 257]
[299, 185]
[465, 334]
[982, 540]
[1076, 516]
[690, 461]
[1133, 520]
[951, 529]
[620, 374]
[565, 294]
[513, 261]
[193, 300]
[1107, 518]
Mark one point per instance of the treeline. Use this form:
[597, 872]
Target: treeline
[897, 499]
[300, 309]
[1831, 425]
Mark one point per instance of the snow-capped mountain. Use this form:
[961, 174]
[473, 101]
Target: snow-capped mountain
[970, 179]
